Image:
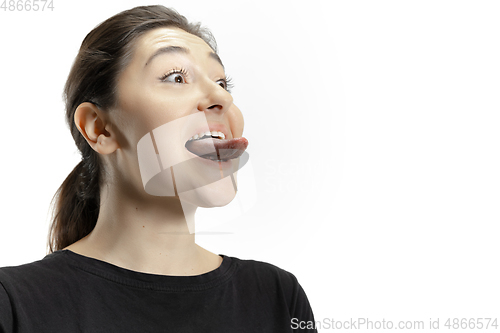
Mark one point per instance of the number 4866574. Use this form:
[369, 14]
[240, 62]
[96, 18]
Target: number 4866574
[27, 5]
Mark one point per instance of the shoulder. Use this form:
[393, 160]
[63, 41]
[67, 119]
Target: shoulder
[23, 284]
[46, 264]
[6, 316]
[277, 283]
[266, 276]
[23, 278]
[265, 271]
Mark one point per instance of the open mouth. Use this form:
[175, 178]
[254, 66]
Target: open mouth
[204, 144]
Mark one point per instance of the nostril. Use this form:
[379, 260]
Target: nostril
[214, 106]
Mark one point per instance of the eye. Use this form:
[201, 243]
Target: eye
[175, 76]
[226, 84]
[222, 83]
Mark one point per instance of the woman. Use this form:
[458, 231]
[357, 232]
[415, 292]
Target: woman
[149, 107]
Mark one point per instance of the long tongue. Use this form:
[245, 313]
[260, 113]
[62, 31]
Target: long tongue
[224, 149]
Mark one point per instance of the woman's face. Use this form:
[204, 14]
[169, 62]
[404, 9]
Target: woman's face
[173, 87]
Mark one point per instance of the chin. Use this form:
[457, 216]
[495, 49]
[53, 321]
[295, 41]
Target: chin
[216, 194]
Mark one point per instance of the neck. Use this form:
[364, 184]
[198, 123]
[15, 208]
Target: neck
[148, 235]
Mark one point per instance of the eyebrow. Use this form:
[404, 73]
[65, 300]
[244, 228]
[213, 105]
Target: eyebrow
[179, 49]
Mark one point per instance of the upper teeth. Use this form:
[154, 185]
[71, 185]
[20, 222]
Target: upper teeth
[213, 134]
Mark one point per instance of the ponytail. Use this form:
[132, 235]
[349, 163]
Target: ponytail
[77, 204]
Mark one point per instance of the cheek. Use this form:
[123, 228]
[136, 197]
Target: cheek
[148, 110]
[236, 121]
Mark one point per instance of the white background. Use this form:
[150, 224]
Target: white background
[373, 131]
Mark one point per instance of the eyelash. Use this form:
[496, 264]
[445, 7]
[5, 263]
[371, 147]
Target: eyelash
[174, 71]
[228, 82]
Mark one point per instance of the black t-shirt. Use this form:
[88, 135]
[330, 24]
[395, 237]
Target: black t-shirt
[69, 292]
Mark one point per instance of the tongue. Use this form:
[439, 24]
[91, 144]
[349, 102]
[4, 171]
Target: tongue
[224, 149]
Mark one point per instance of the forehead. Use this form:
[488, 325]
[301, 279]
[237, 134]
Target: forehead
[168, 36]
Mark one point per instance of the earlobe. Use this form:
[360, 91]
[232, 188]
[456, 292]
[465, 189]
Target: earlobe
[89, 120]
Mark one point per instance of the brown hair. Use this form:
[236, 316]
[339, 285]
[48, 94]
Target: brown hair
[104, 53]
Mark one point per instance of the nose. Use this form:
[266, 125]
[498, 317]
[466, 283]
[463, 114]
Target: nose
[215, 98]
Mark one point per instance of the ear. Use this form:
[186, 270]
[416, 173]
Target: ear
[90, 121]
